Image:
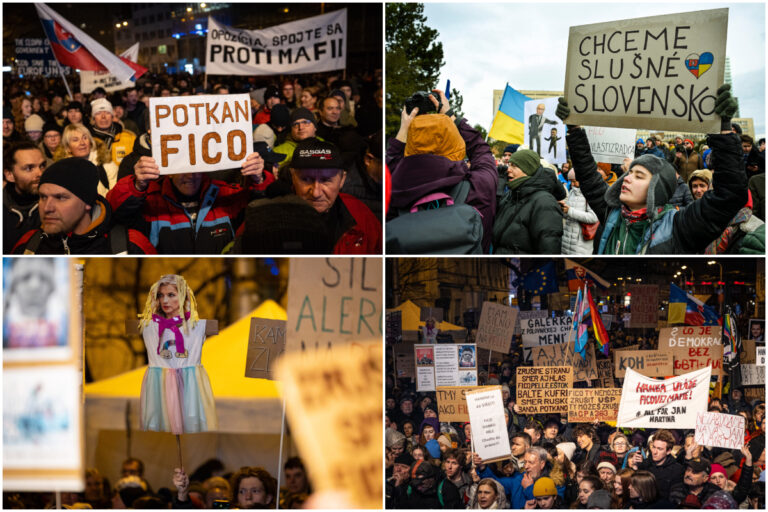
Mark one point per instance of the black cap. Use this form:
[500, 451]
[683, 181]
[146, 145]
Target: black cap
[75, 174]
[280, 116]
[263, 149]
[303, 113]
[699, 465]
[313, 153]
[75, 104]
[51, 126]
[271, 92]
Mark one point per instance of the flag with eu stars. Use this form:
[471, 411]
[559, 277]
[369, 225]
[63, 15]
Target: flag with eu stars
[541, 281]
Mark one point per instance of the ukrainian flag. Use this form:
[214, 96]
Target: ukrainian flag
[508, 125]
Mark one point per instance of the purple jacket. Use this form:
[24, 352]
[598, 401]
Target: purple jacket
[416, 176]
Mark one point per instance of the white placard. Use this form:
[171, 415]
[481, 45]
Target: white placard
[445, 364]
[611, 145]
[752, 375]
[760, 357]
[544, 131]
[90, 80]
[721, 430]
[489, 431]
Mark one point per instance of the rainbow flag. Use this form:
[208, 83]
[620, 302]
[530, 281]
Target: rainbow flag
[582, 310]
[601, 335]
[508, 124]
[731, 340]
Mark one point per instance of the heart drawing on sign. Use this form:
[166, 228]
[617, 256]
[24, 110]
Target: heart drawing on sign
[699, 64]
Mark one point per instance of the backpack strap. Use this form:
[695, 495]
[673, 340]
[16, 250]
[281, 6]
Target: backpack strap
[34, 243]
[460, 191]
[118, 239]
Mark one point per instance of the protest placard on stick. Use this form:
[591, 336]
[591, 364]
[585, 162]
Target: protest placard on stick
[604, 373]
[589, 405]
[489, 428]
[543, 389]
[651, 363]
[693, 358]
[690, 336]
[266, 342]
[720, 430]
[645, 305]
[584, 369]
[496, 327]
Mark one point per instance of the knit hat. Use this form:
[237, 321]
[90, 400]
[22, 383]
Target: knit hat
[599, 499]
[639, 141]
[433, 447]
[51, 126]
[689, 141]
[77, 175]
[432, 422]
[435, 134]
[606, 464]
[393, 437]
[404, 458]
[101, 105]
[717, 468]
[701, 174]
[280, 116]
[271, 92]
[526, 160]
[511, 148]
[313, 153]
[544, 486]
[258, 95]
[75, 105]
[303, 113]
[34, 123]
[445, 441]
[720, 500]
[7, 114]
[567, 449]
[662, 186]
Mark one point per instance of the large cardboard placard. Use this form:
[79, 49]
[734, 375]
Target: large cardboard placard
[496, 327]
[543, 330]
[690, 336]
[645, 305]
[590, 405]
[266, 342]
[748, 353]
[311, 45]
[754, 393]
[752, 375]
[489, 428]
[543, 389]
[693, 358]
[660, 71]
[332, 301]
[317, 390]
[405, 364]
[669, 403]
[611, 145]
[721, 430]
[445, 365]
[200, 133]
[584, 369]
[604, 373]
[452, 403]
[651, 363]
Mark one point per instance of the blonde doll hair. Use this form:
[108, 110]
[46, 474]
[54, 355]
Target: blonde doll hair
[186, 299]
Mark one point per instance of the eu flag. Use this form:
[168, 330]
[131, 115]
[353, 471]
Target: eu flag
[541, 281]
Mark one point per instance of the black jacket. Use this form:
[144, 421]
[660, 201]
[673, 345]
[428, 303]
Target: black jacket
[407, 497]
[679, 493]
[528, 218]
[19, 217]
[668, 474]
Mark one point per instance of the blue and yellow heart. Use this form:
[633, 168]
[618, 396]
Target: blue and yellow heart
[699, 64]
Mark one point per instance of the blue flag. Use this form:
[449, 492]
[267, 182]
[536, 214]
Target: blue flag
[543, 280]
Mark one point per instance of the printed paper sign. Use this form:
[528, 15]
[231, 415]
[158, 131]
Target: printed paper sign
[544, 131]
[489, 428]
[452, 403]
[584, 369]
[694, 358]
[651, 363]
[752, 375]
[445, 365]
[720, 430]
[497, 325]
[200, 133]
[690, 336]
[332, 301]
[645, 305]
[589, 405]
[311, 45]
[266, 342]
[660, 71]
[543, 389]
[318, 389]
[668, 403]
[611, 145]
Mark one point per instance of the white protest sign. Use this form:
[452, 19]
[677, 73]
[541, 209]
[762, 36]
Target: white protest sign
[90, 80]
[658, 72]
[611, 145]
[445, 364]
[760, 358]
[668, 403]
[333, 301]
[200, 133]
[497, 324]
[311, 45]
[544, 131]
[752, 375]
[489, 429]
[721, 430]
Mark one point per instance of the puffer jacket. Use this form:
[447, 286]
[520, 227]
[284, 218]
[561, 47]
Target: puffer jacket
[20, 215]
[529, 219]
[501, 498]
[578, 212]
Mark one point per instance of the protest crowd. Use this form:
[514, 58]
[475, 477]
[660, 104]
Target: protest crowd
[97, 147]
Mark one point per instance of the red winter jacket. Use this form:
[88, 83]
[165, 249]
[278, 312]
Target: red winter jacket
[365, 236]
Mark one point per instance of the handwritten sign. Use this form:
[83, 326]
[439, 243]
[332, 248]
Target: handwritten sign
[720, 430]
[752, 375]
[760, 358]
[611, 145]
[445, 365]
[584, 369]
[645, 305]
[668, 403]
[317, 390]
[489, 428]
[651, 363]
[545, 330]
[543, 389]
[266, 342]
[690, 336]
[332, 301]
[605, 373]
[660, 71]
[589, 405]
[452, 403]
[200, 133]
[694, 358]
[405, 364]
[497, 325]
[522, 316]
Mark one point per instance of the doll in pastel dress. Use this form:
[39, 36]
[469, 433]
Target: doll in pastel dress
[176, 394]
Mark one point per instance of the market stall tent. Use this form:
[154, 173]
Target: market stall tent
[411, 323]
[249, 412]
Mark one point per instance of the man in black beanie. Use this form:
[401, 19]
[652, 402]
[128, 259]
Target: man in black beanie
[74, 218]
[303, 126]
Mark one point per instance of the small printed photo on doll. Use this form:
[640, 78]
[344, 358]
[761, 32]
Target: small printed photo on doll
[196, 383]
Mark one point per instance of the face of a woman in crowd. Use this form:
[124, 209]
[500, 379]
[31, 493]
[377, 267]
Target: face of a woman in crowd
[74, 116]
[425, 402]
[428, 432]
[429, 413]
[632, 492]
[620, 446]
[418, 454]
[168, 299]
[634, 188]
[408, 430]
[486, 495]
[718, 479]
[251, 492]
[26, 107]
[545, 502]
[585, 491]
[79, 145]
[92, 488]
[468, 430]
[617, 487]
[583, 441]
[307, 100]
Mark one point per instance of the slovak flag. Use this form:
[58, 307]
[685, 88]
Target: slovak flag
[74, 48]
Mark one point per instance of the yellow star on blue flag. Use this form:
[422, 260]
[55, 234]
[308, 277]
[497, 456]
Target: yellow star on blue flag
[542, 280]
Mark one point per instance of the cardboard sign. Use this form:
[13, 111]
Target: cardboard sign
[427, 313]
[748, 352]
[543, 389]
[690, 336]
[394, 327]
[405, 364]
[754, 393]
[317, 390]
[589, 405]
[200, 133]
[522, 316]
[752, 375]
[543, 330]
[720, 430]
[645, 305]
[611, 145]
[604, 373]
[694, 358]
[445, 365]
[266, 342]
[497, 325]
[584, 369]
[658, 71]
[332, 301]
[311, 45]
[452, 403]
[669, 403]
[489, 428]
[651, 363]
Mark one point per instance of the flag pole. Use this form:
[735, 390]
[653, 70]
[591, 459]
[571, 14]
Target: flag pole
[61, 74]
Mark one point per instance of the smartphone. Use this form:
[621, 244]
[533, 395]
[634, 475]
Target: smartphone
[220, 504]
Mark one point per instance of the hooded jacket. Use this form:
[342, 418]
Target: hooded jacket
[416, 176]
[499, 503]
[529, 219]
[685, 231]
[689, 162]
[668, 475]
[97, 240]
[578, 212]
[18, 218]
